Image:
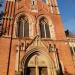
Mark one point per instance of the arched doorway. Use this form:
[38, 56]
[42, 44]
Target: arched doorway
[38, 63]
[36, 66]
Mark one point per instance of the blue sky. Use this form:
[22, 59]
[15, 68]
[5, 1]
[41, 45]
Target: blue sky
[67, 12]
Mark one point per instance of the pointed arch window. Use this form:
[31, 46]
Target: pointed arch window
[23, 27]
[44, 28]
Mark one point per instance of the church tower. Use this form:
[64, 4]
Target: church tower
[33, 40]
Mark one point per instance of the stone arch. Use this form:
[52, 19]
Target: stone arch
[49, 61]
[51, 26]
[47, 17]
[22, 13]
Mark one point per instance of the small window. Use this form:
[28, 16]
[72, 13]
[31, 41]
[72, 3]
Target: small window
[45, 1]
[33, 2]
[73, 54]
[33, 5]
[72, 50]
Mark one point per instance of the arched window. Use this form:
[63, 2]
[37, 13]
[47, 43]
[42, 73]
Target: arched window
[44, 28]
[23, 27]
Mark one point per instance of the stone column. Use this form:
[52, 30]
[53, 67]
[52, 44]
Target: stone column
[17, 60]
[37, 70]
[36, 65]
[49, 71]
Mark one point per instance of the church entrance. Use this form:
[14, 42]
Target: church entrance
[38, 64]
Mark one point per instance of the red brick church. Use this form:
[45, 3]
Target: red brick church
[33, 41]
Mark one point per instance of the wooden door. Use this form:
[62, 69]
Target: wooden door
[43, 71]
[30, 71]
